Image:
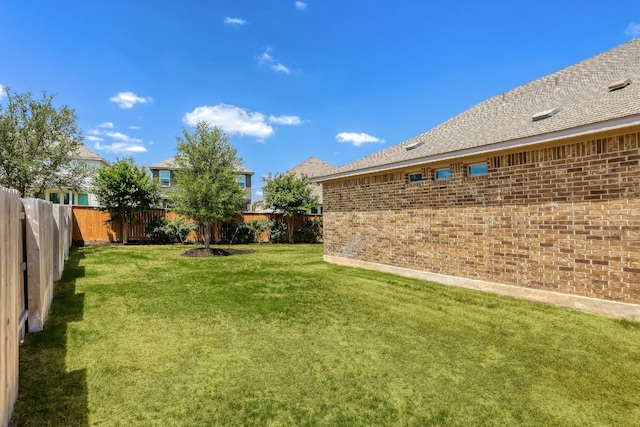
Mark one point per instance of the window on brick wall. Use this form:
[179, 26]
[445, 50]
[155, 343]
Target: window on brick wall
[444, 173]
[477, 169]
[415, 177]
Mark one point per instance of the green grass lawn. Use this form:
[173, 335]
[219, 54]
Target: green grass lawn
[272, 335]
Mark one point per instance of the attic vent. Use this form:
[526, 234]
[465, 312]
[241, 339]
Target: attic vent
[544, 114]
[619, 84]
[414, 145]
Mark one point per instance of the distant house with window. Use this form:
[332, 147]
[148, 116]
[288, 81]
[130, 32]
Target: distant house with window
[83, 196]
[164, 171]
[531, 192]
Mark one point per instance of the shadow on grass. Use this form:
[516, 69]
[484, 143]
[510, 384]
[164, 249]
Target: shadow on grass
[49, 395]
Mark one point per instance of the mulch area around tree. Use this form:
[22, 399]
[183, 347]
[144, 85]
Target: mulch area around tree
[205, 252]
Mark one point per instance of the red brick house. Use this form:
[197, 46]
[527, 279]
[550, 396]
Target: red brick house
[533, 193]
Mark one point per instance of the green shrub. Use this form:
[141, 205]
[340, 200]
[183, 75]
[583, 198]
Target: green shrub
[156, 230]
[249, 232]
[180, 228]
[277, 231]
[309, 232]
[163, 231]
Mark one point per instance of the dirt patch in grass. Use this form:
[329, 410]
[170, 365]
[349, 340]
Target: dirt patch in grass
[205, 252]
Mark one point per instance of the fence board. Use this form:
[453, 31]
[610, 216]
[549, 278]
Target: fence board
[61, 237]
[10, 303]
[40, 242]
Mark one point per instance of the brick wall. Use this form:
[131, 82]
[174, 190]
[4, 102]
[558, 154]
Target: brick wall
[563, 218]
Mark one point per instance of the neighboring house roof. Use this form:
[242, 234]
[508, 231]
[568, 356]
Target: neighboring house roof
[171, 164]
[85, 154]
[313, 167]
[580, 92]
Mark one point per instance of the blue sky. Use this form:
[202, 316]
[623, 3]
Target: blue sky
[286, 79]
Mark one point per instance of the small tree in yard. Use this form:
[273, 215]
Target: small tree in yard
[125, 188]
[290, 195]
[207, 188]
[39, 145]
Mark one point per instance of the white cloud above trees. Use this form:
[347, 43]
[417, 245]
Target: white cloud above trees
[238, 121]
[127, 100]
[106, 138]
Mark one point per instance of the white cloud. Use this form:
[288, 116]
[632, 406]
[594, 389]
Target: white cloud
[233, 120]
[236, 22]
[358, 138]
[120, 147]
[129, 99]
[134, 127]
[633, 30]
[119, 136]
[285, 120]
[300, 5]
[2, 93]
[120, 142]
[273, 63]
[259, 193]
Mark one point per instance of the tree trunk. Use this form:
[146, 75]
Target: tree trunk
[290, 226]
[207, 235]
[125, 231]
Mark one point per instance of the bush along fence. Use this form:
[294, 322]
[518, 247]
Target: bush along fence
[35, 237]
[93, 226]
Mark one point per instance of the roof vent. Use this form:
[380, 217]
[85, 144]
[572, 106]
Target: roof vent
[414, 145]
[544, 114]
[619, 84]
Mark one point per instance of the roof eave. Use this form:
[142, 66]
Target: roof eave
[585, 130]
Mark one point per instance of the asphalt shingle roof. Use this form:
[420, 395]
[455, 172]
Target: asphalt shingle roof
[580, 92]
[85, 153]
[312, 167]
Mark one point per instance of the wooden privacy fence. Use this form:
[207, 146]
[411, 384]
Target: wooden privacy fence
[91, 226]
[35, 237]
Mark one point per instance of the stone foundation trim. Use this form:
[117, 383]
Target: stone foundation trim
[591, 305]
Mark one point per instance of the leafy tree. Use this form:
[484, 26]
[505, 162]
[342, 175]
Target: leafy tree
[290, 195]
[39, 145]
[125, 188]
[207, 189]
